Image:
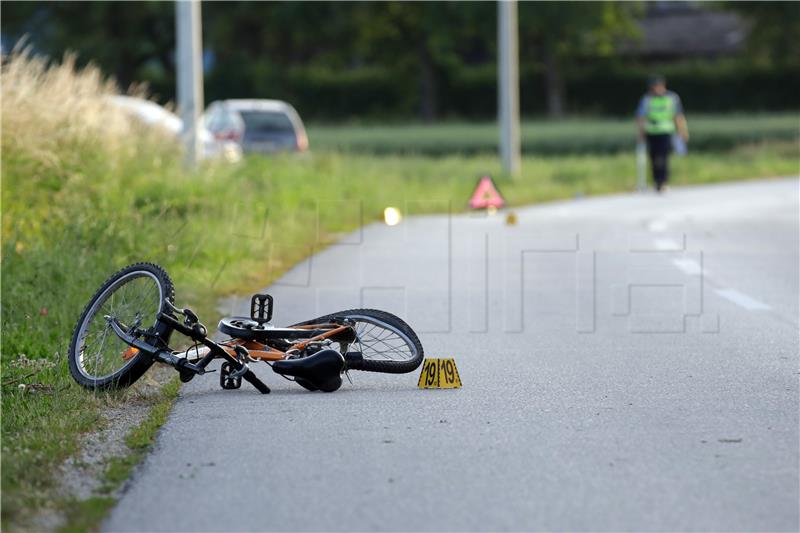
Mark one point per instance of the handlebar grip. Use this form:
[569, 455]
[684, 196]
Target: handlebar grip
[251, 378]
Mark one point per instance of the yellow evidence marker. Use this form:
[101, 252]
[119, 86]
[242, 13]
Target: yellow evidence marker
[439, 374]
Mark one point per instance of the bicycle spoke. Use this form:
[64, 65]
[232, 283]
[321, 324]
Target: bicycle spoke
[134, 298]
[97, 354]
[375, 341]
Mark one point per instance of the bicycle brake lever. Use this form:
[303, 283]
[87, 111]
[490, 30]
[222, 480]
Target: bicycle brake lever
[171, 307]
[190, 316]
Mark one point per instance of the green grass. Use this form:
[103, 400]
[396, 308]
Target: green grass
[87, 515]
[542, 137]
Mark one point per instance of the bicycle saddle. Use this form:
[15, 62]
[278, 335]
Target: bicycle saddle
[322, 371]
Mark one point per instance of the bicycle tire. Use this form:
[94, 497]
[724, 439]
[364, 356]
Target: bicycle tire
[138, 364]
[387, 321]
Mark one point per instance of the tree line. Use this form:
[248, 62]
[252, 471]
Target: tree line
[399, 60]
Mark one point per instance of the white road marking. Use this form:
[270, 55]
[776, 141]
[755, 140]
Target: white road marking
[667, 244]
[742, 300]
[693, 268]
[689, 266]
[657, 225]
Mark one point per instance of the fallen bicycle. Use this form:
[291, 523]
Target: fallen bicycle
[129, 322]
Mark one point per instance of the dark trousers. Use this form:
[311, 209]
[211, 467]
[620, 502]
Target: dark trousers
[659, 148]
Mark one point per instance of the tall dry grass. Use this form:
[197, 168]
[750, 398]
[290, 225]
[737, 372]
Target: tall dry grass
[54, 114]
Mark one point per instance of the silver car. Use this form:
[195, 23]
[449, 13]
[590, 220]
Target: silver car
[259, 126]
[153, 115]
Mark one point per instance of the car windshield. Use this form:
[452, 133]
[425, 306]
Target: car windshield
[266, 122]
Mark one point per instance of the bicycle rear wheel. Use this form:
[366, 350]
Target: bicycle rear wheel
[98, 359]
[386, 343]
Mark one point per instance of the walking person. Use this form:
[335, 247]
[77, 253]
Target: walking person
[659, 117]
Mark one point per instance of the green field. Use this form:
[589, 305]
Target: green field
[85, 193]
[541, 137]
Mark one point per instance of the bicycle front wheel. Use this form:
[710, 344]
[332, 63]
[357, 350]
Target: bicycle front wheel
[98, 359]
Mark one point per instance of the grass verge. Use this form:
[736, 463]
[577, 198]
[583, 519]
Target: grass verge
[87, 515]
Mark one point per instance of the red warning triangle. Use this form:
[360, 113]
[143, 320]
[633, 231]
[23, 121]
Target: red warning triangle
[486, 195]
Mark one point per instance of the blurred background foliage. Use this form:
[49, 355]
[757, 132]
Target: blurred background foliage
[437, 60]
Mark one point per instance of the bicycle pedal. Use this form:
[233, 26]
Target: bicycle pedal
[226, 381]
[261, 308]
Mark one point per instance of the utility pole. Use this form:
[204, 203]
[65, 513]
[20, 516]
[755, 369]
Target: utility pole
[508, 85]
[189, 63]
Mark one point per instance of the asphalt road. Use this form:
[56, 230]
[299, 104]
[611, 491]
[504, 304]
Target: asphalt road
[629, 362]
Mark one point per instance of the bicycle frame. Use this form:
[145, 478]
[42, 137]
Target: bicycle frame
[236, 352]
[265, 352]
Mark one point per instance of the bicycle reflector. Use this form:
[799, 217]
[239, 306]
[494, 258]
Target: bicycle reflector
[130, 353]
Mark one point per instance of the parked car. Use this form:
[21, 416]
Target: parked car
[153, 115]
[261, 126]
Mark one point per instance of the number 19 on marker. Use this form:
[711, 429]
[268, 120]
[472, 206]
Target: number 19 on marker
[439, 374]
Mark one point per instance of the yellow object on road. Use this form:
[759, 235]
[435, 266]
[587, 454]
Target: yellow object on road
[439, 374]
[392, 216]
